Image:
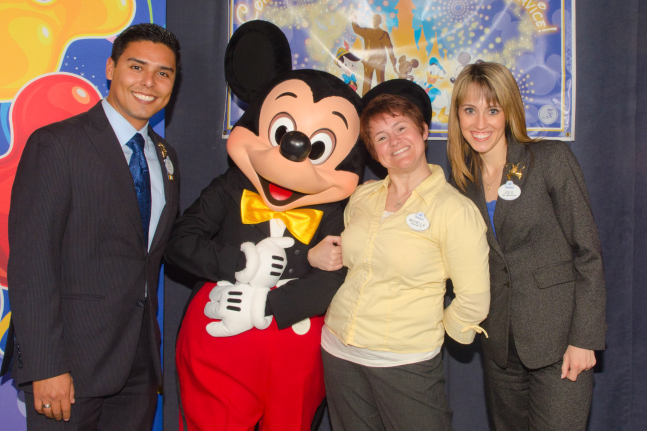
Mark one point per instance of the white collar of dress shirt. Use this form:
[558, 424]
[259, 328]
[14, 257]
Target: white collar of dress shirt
[123, 129]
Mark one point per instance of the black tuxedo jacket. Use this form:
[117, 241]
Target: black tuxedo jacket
[546, 274]
[207, 237]
[79, 263]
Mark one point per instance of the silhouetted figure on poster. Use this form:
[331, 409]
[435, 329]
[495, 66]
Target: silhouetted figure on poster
[376, 41]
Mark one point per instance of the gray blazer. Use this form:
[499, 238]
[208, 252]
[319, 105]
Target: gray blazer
[546, 274]
[79, 262]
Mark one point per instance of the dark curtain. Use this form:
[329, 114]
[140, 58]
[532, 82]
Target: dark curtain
[611, 146]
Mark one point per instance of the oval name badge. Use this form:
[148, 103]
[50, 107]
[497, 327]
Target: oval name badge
[417, 221]
[169, 165]
[509, 191]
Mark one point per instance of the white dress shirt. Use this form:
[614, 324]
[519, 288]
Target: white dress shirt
[124, 131]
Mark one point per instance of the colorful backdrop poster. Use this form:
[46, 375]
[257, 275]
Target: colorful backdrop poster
[429, 42]
[54, 56]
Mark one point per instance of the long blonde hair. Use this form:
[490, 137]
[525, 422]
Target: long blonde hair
[497, 87]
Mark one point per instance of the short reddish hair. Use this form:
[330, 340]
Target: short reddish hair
[388, 105]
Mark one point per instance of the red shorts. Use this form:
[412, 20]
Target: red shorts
[231, 383]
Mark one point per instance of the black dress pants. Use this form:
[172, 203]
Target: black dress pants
[132, 408]
[521, 399]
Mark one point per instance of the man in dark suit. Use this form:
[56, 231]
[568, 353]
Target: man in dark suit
[92, 207]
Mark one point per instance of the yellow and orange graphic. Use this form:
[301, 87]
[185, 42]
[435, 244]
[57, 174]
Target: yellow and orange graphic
[36, 33]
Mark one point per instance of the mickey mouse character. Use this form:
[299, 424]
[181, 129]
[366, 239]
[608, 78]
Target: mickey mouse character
[405, 67]
[297, 154]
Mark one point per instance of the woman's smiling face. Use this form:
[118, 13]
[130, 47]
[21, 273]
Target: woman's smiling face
[482, 123]
[398, 142]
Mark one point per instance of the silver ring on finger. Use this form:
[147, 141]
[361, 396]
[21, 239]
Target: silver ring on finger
[47, 406]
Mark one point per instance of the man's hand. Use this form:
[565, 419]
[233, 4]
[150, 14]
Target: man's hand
[327, 254]
[577, 360]
[56, 392]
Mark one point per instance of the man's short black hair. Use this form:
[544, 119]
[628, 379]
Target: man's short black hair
[145, 32]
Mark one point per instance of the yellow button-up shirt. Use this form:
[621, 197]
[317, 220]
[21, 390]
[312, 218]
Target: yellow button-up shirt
[392, 299]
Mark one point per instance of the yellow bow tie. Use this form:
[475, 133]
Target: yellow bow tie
[302, 223]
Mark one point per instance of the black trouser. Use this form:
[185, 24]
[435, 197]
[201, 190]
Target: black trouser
[132, 408]
[403, 398]
[521, 399]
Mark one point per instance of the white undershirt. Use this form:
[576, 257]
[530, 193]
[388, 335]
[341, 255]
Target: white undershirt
[367, 357]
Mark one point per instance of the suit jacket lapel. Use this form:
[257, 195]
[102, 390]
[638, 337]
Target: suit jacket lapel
[516, 155]
[476, 194]
[105, 141]
[164, 217]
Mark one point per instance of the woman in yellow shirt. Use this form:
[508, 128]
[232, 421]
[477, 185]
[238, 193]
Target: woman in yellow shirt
[404, 237]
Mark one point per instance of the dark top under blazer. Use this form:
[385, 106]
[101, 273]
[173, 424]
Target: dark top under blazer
[207, 237]
[546, 274]
[79, 263]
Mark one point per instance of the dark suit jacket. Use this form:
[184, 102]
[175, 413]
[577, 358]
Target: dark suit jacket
[207, 237]
[546, 274]
[79, 263]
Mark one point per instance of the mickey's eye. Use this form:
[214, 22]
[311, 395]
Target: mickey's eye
[323, 144]
[281, 124]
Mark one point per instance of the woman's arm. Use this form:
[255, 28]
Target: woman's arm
[567, 190]
[466, 256]
[327, 254]
[565, 185]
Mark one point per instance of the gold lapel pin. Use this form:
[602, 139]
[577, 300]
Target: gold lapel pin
[515, 170]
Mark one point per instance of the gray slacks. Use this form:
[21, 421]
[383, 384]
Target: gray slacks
[131, 409]
[521, 399]
[403, 398]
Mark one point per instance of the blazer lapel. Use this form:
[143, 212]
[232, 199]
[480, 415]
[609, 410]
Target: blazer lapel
[105, 141]
[516, 156]
[164, 217]
[476, 194]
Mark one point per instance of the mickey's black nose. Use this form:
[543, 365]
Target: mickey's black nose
[295, 146]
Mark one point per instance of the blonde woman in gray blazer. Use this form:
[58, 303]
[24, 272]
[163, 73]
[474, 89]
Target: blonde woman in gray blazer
[547, 311]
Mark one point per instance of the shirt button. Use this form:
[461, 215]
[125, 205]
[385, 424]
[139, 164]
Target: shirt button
[291, 271]
[297, 252]
[140, 303]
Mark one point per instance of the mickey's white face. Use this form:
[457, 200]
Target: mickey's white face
[328, 128]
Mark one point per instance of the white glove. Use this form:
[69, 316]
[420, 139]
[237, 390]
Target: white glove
[240, 308]
[211, 309]
[266, 260]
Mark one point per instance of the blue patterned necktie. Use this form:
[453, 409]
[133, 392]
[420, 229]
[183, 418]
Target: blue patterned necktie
[141, 176]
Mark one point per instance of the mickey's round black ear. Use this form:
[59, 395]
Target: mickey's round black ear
[407, 89]
[256, 53]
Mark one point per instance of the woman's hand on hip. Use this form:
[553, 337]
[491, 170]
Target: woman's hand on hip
[577, 360]
[327, 254]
